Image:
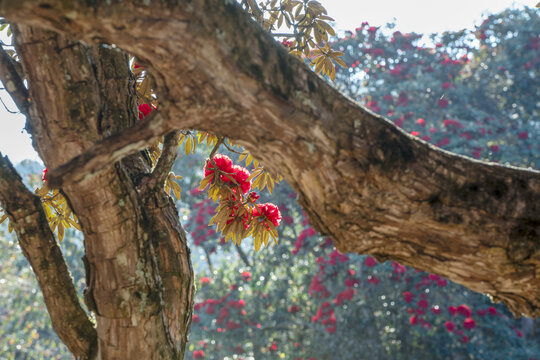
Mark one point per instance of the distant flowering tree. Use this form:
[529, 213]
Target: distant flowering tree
[474, 93]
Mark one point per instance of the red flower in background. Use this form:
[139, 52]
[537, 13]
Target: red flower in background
[464, 310]
[370, 262]
[469, 323]
[44, 174]
[449, 326]
[198, 354]
[246, 275]
[442, 103]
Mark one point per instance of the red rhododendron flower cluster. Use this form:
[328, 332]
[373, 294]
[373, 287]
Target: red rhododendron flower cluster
[233, 187]
[268, 212]
[144, 110]
[44, 174]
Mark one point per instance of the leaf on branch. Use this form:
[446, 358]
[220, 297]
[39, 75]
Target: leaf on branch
[171, 184]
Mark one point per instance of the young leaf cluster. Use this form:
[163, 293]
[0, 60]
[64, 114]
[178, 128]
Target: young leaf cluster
[307, 30]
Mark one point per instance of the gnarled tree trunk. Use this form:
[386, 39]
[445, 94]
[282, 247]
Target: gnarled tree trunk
[367, 184]
[139, 274]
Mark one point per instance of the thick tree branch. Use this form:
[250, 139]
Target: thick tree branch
[13, 82]
[362, 181]
[44, 255]
[108, 151]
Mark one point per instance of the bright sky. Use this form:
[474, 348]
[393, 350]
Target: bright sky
[421, 16]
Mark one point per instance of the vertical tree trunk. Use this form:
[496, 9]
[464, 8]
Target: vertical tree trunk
[139, 274]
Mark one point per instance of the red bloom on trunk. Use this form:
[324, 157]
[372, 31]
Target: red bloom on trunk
[144, 110]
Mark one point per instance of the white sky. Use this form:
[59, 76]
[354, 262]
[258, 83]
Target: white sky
[421, 16]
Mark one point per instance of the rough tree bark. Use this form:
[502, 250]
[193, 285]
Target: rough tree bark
[139, 274]
[365, 183]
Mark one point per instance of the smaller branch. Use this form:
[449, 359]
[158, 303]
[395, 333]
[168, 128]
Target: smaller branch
[284, 35]
[242, 255]
[7, 109]
[166, 159]
[231, 149]
[13, 82]
[208, 260]
[256, 11]
[216, 147]
[41, 249]
[108, 151]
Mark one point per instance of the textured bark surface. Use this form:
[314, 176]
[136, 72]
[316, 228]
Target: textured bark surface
[362, 181]
[139, 274]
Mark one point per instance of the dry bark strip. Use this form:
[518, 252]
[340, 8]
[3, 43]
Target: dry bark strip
[362, 181]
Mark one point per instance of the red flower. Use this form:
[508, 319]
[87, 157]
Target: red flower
[223, 163]
[408, 296]
[331, 329]
[464, 310]
[246, 275]
[492, 310]
[441, 282]
[241, 176]
[370, 262]
[452, 122]
[442, 103]
[294, 309]
[436, 309]
[523, 135]
[423, 303]
[421, 122]
[198, 354]
[272, 347]
[288, 220]
[269, 211]
[450, 326]
[44, 174]
[413, 320]
[465, 339]
[205, 280]
[494, 148]
[444, 141]
[415, 133]
[452, 310]
[469, 323]
[195, 318]
[144, 110]
[446, 85]
[231, 325]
